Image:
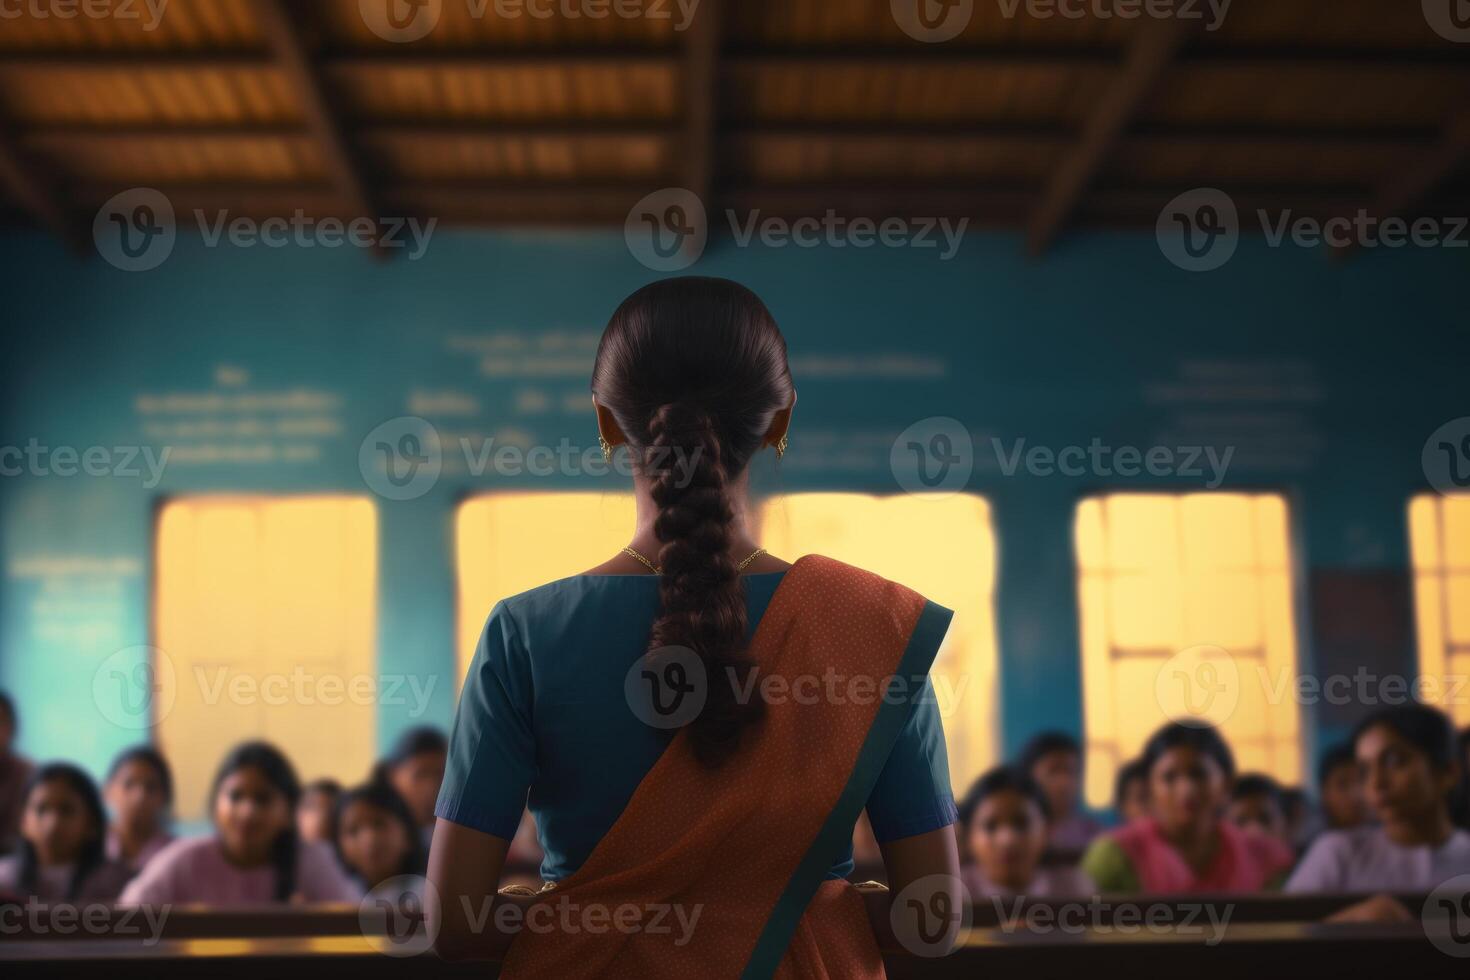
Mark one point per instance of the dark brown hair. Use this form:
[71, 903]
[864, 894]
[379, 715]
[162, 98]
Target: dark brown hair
[694, 370]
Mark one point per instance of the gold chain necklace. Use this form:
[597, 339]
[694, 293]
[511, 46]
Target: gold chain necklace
[659, 571]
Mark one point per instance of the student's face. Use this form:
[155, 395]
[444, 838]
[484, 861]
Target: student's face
[56, 823]
[1008, 836]
[417, 780]
[1134, 805]
[1398, 780]
[372, 841]
[1059, 774]
[1258, 815]
[1186, 789]
[1342, 798]
[248, 814]
[135, 796]
[314, 815]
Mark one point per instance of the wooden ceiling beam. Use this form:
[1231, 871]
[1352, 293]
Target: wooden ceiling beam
[36, 193]
[1152, 51]
[701, 69]
[279, 26]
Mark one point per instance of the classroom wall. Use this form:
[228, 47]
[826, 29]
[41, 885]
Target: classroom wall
[1326, 378]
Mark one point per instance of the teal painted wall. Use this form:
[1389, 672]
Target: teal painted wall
[1326, 378]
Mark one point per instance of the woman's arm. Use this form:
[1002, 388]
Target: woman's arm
[464, 872]
[923, 874]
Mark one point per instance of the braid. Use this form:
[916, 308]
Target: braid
[702, 599]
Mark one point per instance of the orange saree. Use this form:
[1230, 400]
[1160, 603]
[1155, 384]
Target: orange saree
[722, 872]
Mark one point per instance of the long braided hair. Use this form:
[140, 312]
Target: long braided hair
[694, 371]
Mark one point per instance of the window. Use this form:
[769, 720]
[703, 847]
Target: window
[266, 608]
[1171, 582]
[506, 543]
[1439, 534]
[941, 546]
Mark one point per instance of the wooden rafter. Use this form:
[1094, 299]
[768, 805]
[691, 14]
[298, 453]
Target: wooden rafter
[701, 94]
[35, 193]
[291, 55]
[1149, 55]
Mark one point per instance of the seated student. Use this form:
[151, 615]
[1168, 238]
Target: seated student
[1406, 755]
[1130, 792]
[1054, 761]
[415, 768]
[377, 838]
[1185, 846]
[1258, 806]
[61, 852]
[1340, 788]
[314, 814]
[1004, 821]
[255, 856]
[139, 790]
[15, 771]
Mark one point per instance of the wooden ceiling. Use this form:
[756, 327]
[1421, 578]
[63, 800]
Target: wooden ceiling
[791, 106]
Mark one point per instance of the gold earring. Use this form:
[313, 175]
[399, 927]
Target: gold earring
[605, 447]
[781, 447]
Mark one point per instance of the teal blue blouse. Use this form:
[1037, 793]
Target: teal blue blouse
[543, 713]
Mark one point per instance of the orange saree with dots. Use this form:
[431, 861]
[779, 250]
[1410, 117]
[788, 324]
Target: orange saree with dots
[739, 854]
